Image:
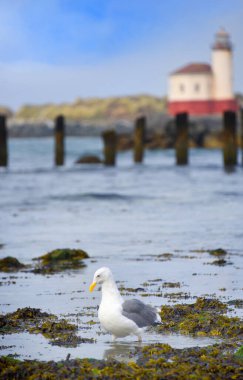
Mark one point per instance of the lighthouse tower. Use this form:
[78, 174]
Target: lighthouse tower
[222, 68]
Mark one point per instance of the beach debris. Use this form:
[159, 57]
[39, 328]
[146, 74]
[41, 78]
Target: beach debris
[60, 260]
[10, 264]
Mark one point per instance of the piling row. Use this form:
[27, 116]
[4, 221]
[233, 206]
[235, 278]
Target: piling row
[110, 140]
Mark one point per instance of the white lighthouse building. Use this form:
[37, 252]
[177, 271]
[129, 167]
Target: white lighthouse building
[200, 88]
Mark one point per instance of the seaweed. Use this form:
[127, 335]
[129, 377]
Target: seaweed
[178, 295]
[70, 340]
[57, 331]
[236, 303]
[203, 318]
[218, 252]
[157, 361]
[221, 262]
[22, 320]
[239, 353]
[171, 285]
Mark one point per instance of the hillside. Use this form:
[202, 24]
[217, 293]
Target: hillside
[92, 109]
[6, 111]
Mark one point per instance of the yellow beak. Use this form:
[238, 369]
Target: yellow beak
[92, 286]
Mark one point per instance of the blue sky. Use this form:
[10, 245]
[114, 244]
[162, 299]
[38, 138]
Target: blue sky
[58, 50]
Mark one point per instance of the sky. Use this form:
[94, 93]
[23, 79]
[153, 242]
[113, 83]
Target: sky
[60, 50]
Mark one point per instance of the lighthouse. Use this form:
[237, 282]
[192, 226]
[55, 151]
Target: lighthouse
[222, 67]
[202, 89]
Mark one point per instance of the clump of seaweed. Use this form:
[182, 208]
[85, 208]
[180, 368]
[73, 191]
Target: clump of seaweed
[60, 260]
[218, 252]
[22, 320]
[58, 331]
[164, 256]
[10, 264]
[53, 329]
[220, 262]
[236, 303]
[177, 295]
[70, 340]
[128, 290]
[158, 361]
[204, 317]
[171, 285]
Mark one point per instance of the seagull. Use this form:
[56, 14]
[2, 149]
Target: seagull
[118, 317]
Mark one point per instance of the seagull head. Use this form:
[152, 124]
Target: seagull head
[101, 275]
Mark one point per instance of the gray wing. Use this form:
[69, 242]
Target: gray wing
[143, 315]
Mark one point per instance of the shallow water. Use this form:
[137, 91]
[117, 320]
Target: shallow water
[36, 347]
[124, 217]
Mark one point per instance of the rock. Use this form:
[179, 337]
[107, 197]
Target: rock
[124, 142]
[213, 141]
[89, 159]
[156, 141]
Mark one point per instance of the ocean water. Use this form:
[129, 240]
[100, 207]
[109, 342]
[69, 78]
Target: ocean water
[124, 217]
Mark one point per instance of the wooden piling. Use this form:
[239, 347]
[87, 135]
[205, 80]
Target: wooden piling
[3, 141]
[110, 142]
[181, 144]
[139, 136]
[59, 140]
[229, 138]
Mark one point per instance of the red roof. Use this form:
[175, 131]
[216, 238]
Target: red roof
[194, 68]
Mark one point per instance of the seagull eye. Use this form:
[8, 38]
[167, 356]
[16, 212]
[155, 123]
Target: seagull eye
[98, 275]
